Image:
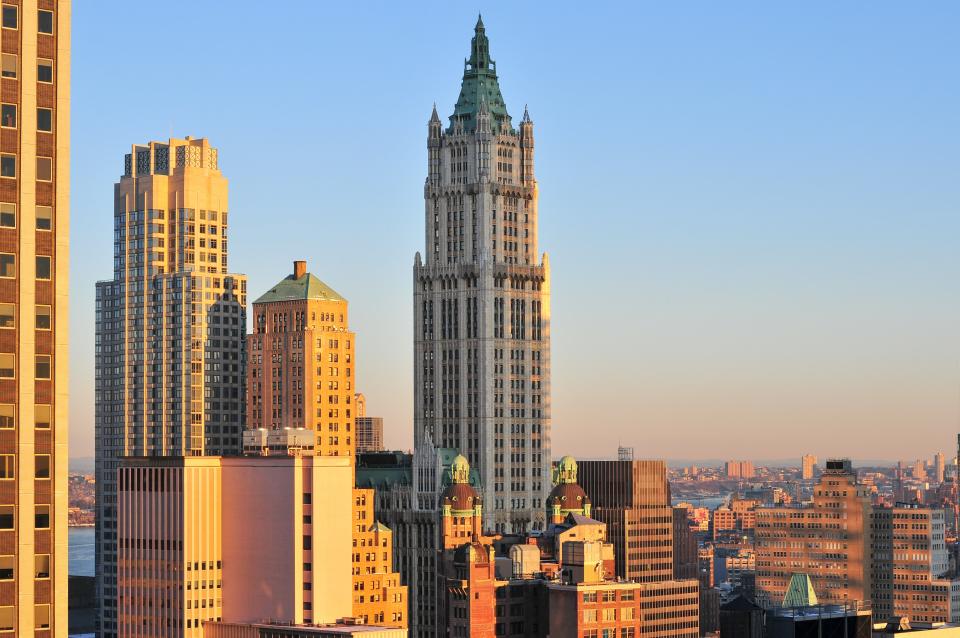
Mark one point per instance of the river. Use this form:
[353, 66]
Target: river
[81, 561]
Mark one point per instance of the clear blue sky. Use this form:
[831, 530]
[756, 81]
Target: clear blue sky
[752, 209]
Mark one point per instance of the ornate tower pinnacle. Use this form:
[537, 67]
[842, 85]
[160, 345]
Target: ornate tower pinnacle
[480, 83]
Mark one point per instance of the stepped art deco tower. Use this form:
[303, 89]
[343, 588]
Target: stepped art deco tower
[171, 331]
[482, 301]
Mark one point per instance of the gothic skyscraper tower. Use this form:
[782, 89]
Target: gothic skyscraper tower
[482, 301]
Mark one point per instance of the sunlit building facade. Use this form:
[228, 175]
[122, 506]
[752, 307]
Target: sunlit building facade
[378, 596]
[830, 540]
[170, 330]
[34, 278]
[302, 362]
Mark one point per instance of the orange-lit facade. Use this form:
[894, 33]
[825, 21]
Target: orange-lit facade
[830, 540]
[301, 359]
[378, 596]
[34, 262]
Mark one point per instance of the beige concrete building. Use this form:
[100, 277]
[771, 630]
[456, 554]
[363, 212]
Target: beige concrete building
[302, 362]
[34, 278]
[829, 539]
[171, 328]
[911, 574]
[237, 539]
[808, 464]
[738, 469]
[482, 301]
[369, 428]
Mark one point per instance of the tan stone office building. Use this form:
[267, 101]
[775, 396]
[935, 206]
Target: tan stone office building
[34, 261]
[171, 328]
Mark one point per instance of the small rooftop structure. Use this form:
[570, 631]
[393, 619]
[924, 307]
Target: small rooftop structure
[285, 442]
[800, 592]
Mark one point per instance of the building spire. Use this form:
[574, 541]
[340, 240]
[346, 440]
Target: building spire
[434, 117]
[480, 48]
[526, 114]
[480, 83]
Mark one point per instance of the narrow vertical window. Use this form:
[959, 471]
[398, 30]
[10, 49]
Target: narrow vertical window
[8, 215]
[45, 22]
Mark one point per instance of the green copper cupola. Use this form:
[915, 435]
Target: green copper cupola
[480, 85]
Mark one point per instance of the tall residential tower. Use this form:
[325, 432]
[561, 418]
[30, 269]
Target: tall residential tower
[482, 301]
[171, 329]
[34, 262]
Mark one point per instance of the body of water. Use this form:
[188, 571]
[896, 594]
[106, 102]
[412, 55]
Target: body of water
[710, 502]
[81, 551]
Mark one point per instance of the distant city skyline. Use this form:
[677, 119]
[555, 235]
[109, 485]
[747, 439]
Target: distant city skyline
[750, 210]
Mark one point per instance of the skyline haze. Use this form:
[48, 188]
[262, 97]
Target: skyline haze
[749, 210]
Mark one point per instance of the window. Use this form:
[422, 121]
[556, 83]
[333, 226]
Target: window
[8, 65]
[41, 616]
[6, 567]
[41, 468]
[6, 365]
[8, 165]
[589, 615]
[7, 466]
[45, 71]
[41, 517]
[43, 267]
[7, 416]
[9, 16]
[6, 618]
[43, 366]
[41, 566]
[44, 218]
[6, 516]
[8, 115]
[43, 317]
[42, 416]
[8, 265]
[45, 120]
[8, 317]
[45, 22]
[8, 215]
[45, 169]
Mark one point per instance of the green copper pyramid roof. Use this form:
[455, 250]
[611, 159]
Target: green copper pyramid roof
[800, 592]
[480, 86]
[306, 287]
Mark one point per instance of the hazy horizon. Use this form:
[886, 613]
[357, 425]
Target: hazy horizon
[751, 210]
